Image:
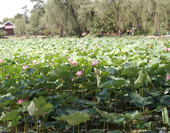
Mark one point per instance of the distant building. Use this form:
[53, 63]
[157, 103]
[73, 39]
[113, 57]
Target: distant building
[8, 27]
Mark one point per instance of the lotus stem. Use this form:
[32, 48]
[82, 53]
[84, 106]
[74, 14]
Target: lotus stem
[16, 129]
[82, 87]
[78, 128]
[115, 103]
[104, 126]
[25, 126]
[37, 124]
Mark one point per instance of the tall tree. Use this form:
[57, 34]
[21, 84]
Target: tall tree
[34, 25]
[26, 10]
[159, 11]
[38, 7]
[20, 28]
[64, 15]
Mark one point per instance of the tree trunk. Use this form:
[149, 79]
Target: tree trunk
[61, 31]
[77, 27]
[156, 22]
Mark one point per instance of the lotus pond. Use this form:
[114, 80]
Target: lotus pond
[84, 85]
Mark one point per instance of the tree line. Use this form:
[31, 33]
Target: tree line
[73, 17]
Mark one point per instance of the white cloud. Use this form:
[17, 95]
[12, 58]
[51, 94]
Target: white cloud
[9, 8]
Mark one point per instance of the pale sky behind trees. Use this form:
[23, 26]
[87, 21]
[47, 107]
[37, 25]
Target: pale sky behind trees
[9, 8]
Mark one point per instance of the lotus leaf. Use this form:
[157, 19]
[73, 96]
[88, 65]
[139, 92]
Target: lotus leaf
[74, 119]
[165, 99]
[115, 131]
[141, 78]
[165, 116]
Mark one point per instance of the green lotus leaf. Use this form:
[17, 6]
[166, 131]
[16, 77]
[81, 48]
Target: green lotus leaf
[46, 108]
[74, 119]
[31, 108]
[9, 115]
[103, 94]
[30, 71]
[25, 104]
[2, 73]
[165, 99]
[111, 70]
[148, 100]
[119, 120]
[133, 115]
[141, 125]
[38, 106]
[6, 99]
[165, 116]
[14, 122]
[167, 68]
[39, 102]
[115, 131]
[136, 99]
[9, 82]
[114, 82]
[95, 131]
[62, 72]
[141, 78]
[104, 114]
[130, 71]
[154, 93]
[44, 70]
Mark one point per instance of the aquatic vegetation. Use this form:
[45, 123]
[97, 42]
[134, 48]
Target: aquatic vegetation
[56, 85]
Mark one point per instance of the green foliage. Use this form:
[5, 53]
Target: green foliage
[34, 24]
[74, 119]
[2, 34]
[39, 84]
[20, 28]
[12, 116]
[165, 116]
[39, 106]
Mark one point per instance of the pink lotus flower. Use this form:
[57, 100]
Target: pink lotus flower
[165, 49]
[42, 74]
[124, 58]
[162, 45]
[70, 60]
[94, 63]
[1, 61]
[74, 63]
[168, 77]
[80, 48]
[168, 49]
[7, 76]
[72, 79]
[20, 101]
[34, 62]
[44, 114]
[25, 67]
[52, 63]
[79, 73]
[134, 50]
[150, 61]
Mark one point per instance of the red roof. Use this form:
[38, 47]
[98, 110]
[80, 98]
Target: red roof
[8, 25]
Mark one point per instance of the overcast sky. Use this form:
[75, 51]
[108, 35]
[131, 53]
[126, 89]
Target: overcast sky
[9, 8]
